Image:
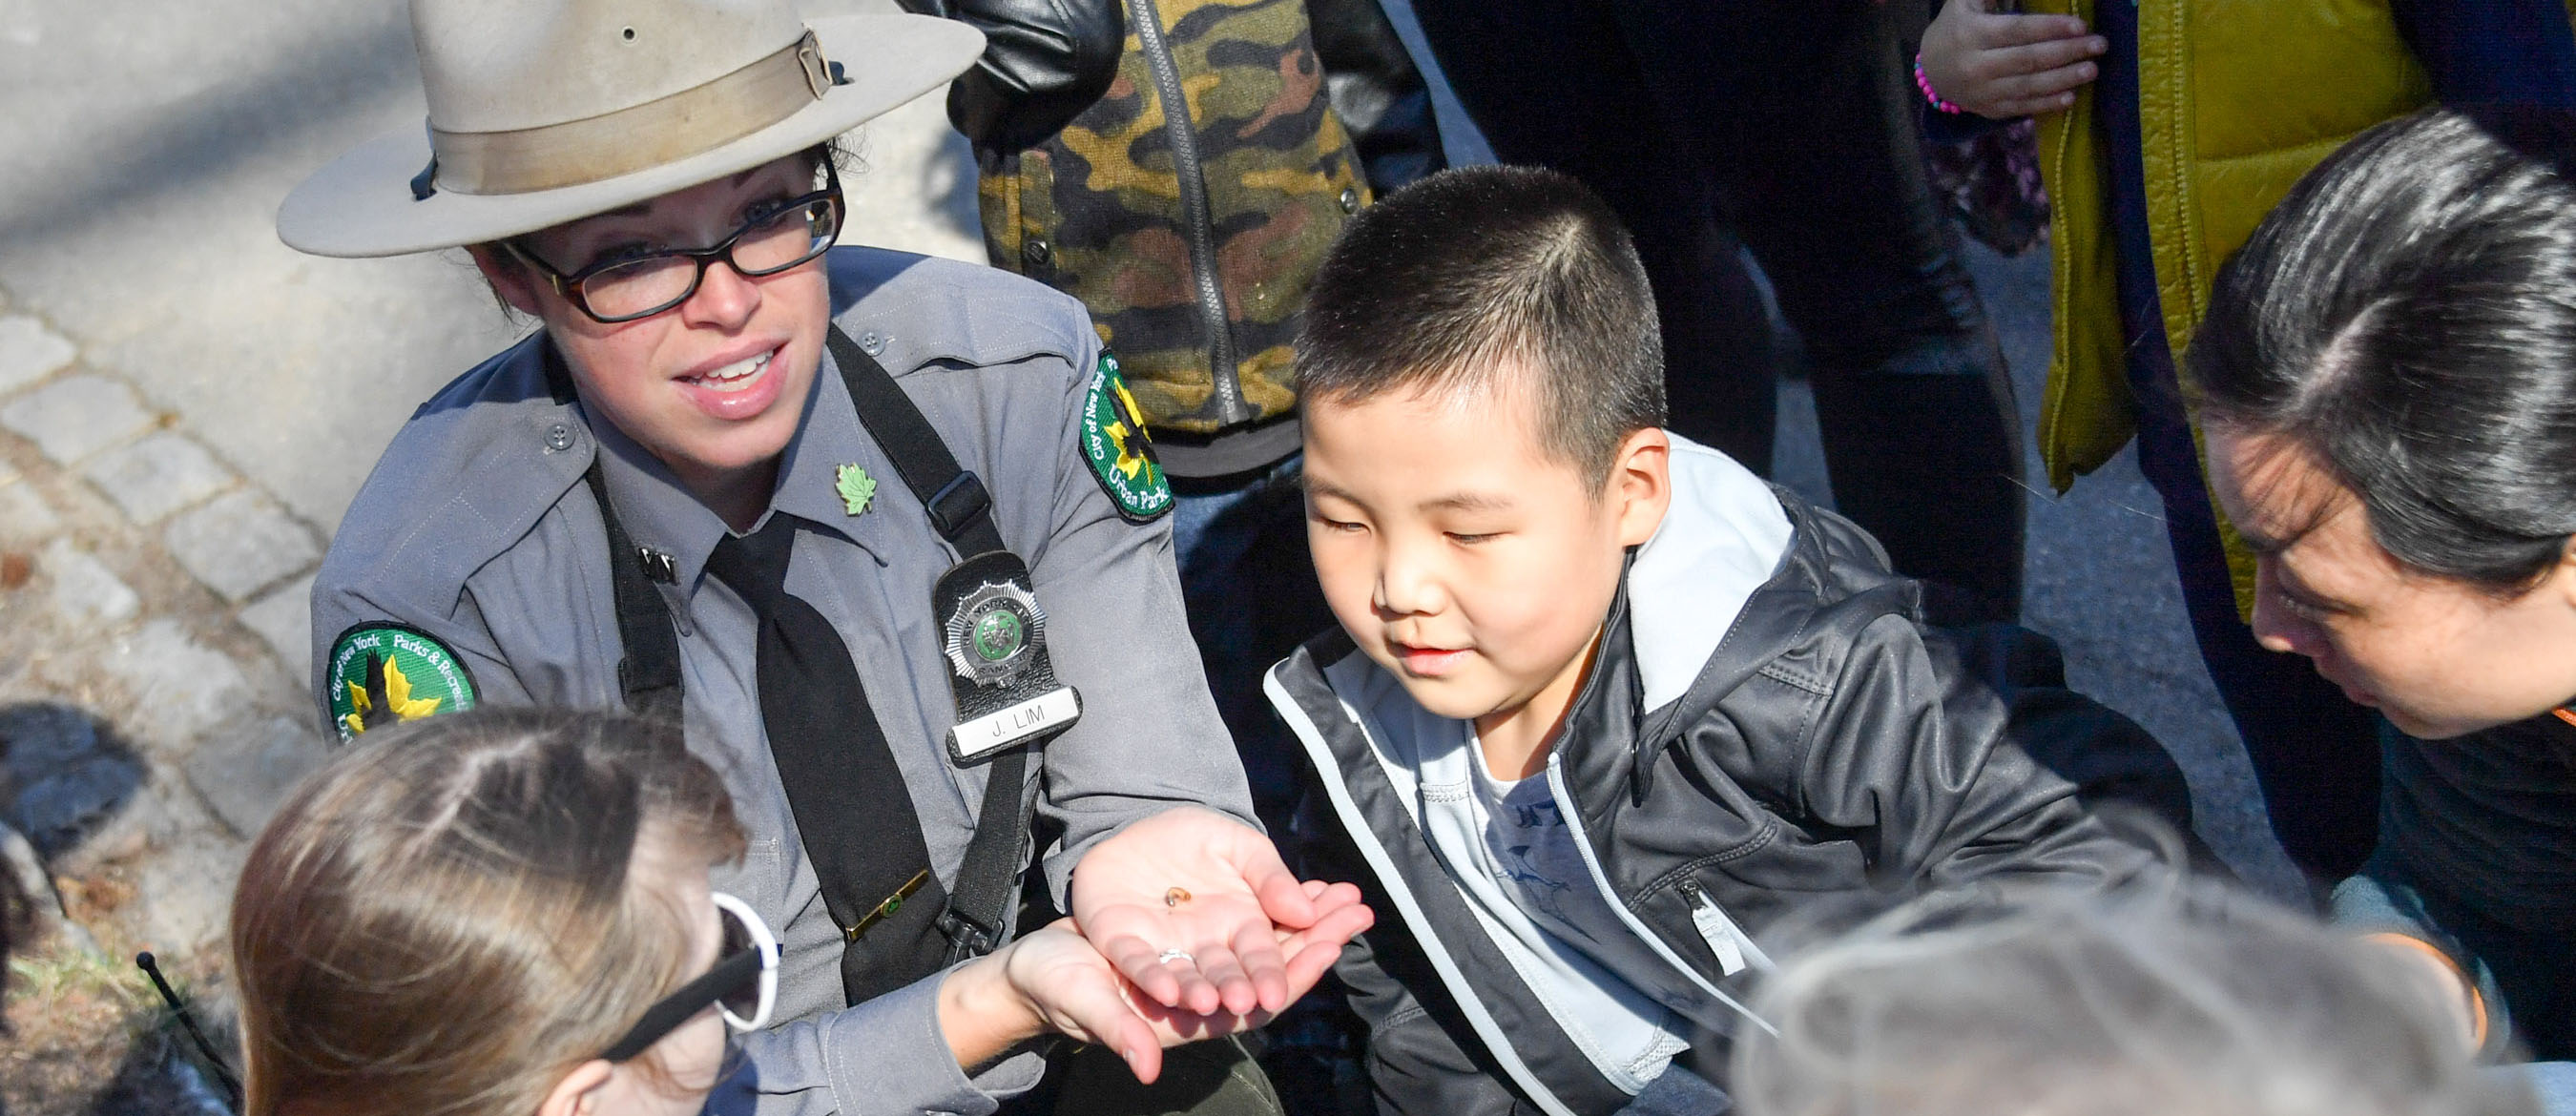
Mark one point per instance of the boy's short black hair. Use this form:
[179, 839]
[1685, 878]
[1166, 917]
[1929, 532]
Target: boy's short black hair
[1430, 288]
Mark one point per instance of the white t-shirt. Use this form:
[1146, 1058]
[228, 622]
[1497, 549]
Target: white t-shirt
[1531, 852]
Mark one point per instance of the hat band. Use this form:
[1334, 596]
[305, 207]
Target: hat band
[655, 133]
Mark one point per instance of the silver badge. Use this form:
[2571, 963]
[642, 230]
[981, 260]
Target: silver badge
[995, 633]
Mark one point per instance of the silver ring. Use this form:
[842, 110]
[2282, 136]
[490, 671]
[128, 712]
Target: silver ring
[1171, 955]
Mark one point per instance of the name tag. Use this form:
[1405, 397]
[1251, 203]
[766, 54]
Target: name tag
[974, 739]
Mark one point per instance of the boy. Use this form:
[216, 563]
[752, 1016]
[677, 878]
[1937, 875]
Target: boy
[1605, 707]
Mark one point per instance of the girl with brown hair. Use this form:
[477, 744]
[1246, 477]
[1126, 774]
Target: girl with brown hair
[507, 911]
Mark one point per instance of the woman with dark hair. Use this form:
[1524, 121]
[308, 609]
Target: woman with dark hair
[2388, 381]
[2170, 128]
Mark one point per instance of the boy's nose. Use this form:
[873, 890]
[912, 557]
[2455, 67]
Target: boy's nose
[1406, 587]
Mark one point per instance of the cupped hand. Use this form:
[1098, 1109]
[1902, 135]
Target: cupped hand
[2004, 64]
[1075, 990]
[1197, 911]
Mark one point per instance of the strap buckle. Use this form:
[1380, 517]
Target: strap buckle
[967, 937]
[957, 503]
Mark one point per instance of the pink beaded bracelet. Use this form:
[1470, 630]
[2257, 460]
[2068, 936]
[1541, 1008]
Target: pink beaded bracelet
[1925, 84]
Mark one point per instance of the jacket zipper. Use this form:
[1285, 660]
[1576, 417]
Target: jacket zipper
[1337, 790]
[1200, 224]
[1564, 800]
[1725, 939]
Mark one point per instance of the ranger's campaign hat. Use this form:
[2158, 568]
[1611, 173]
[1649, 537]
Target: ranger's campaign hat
[545, 111]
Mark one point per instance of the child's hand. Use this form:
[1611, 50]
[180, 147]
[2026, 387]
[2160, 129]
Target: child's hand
[2003, 65]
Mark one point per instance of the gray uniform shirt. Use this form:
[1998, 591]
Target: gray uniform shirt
[476, 528]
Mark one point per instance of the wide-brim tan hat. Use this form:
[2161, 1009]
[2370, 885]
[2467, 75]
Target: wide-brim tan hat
[546, 111]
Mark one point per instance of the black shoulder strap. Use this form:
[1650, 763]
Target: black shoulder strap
[979, 906]
[959, 506]
[648, 671]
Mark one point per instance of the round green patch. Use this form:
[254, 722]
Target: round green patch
[385, 673]
[997, 635]
[1115, 445]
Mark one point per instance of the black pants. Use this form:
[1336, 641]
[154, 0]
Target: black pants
[1792, 127]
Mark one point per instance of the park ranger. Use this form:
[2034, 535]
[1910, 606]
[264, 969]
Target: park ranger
[883, 531]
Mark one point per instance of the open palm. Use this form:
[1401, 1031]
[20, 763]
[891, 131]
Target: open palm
[1197, 911]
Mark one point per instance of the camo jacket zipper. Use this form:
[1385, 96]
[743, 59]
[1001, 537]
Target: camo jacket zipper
[1227, 390]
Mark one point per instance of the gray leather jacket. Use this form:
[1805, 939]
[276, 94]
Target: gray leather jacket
[1829, 748]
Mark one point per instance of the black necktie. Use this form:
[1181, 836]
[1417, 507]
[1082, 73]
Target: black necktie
[848, 795]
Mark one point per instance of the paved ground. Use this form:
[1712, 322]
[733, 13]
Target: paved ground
[186, 407]
[146, 147]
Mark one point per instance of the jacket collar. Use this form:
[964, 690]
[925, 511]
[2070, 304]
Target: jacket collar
[1517, 1027]
[1720, 541]
[1725, 542]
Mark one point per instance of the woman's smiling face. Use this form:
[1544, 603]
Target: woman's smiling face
[718, 384]
[2439, 656]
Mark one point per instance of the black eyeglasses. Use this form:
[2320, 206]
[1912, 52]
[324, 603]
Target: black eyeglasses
[743, 984]
[625, 288]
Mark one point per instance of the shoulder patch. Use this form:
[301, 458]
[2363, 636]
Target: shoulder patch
[1115, 445]
[382, 673]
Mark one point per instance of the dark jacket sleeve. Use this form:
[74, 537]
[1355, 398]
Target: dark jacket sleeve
[1962, 756]
[1377, 91]
[1415, 1068]
[1044, 62]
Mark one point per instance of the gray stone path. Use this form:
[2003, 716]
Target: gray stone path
[122, 546]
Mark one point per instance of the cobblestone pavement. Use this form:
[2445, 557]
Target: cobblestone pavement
[151, 636]
[186, 408]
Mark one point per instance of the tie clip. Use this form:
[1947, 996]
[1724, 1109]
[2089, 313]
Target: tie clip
[892, 903]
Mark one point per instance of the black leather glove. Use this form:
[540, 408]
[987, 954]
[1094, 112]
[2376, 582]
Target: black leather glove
[1044, 62]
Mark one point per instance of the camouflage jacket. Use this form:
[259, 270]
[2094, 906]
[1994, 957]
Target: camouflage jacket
[1191, 236]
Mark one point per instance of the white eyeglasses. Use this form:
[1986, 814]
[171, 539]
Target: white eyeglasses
[743, 985]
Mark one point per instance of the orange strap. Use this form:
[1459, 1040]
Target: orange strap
[2565, 714]
[2477, 1000]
